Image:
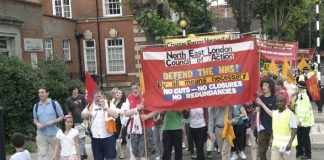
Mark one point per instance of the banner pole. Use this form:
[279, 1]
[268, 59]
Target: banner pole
[145, 141]
[259, 69]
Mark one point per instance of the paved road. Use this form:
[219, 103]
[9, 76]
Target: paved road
[316, 153]
[317, 138]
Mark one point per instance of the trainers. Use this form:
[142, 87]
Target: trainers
[157, 158]
[183, 146]
[242, 155]
[234, 156]
[193, 156]
[306, 157]
[209, 156]
[84, 157]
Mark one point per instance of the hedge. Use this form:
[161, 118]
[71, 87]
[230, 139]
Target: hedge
[19, 84]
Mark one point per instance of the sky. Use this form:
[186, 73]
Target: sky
[214, 3]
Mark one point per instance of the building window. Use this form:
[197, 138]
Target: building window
[48, 47]
[115, 56]
[4, 46]
[67, 50]
[62, 8]
[225, 12]
[112, 8]
[90, 61]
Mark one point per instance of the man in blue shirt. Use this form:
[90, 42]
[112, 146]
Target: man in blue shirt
[266, 103]
[46, 118]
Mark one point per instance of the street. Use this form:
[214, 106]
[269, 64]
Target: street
[316, 134]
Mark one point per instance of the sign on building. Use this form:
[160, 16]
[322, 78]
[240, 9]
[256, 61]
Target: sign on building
[33, 45]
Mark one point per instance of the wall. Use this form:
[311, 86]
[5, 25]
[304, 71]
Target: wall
[125, 30]
[60, 29]
[219, 11]
[31, 16]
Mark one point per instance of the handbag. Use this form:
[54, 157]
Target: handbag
[110, 125]
[137, 124]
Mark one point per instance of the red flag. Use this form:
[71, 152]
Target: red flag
[313, 88]
[91, 86]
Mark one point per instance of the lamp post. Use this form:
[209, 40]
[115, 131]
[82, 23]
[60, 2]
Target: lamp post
[2, 137]
[78, 36]
[318, 40]
[99, 46]
[205, 16]
[183, 23]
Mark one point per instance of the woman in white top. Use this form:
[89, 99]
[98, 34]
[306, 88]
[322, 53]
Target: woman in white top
[67, 140]
[118, 104]
[198, 129]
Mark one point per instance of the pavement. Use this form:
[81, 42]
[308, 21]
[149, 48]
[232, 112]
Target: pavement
[316, 135]
[317, 154]
[317, 131]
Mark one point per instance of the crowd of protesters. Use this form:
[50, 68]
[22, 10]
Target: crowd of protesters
[278, 120]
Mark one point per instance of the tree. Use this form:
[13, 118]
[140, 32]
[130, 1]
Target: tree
[194, 13]
[154, 25]
[282, 18]
[243, 13]
[153, 16]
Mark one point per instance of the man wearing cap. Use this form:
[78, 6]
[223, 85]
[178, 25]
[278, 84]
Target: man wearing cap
[305, 119]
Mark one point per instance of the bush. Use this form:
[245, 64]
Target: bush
[19, 83]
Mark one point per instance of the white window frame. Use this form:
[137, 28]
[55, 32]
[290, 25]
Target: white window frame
[7, 49]
[48, 50]
[85, 55]
[225, 12]
[111, 15]
[107, 59]
[62, 8]
[67, 48]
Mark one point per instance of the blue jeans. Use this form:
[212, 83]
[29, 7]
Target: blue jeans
[104, 148]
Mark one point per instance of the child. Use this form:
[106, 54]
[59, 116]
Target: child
[68, 141]
[17, 141]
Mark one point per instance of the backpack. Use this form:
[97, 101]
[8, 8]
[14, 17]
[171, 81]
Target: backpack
[54, 107]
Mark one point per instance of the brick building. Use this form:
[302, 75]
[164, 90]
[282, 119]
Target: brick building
[32, 29]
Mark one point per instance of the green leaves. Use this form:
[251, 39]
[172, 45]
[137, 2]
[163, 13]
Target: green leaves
[282, 18]
[150, 21]
[19, 83]
[194, 12]
[155, 23]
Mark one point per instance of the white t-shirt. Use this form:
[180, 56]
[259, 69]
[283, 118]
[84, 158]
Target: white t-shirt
[98, 125]
[197, 119]
[68, 146]
[25, 155]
